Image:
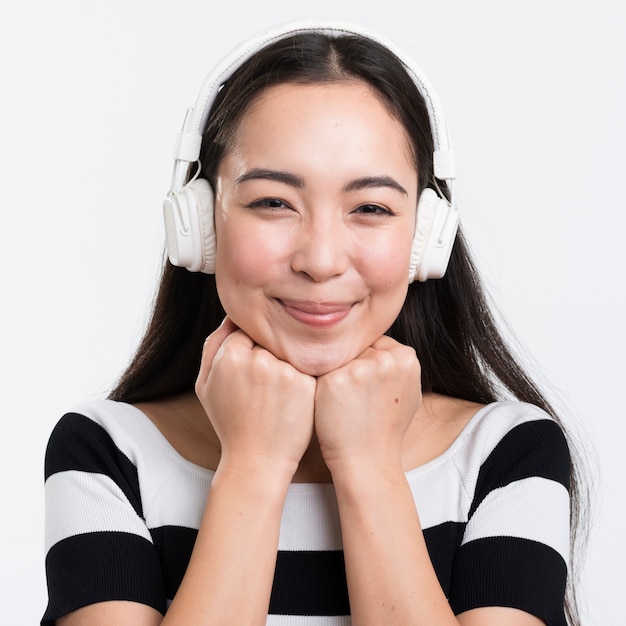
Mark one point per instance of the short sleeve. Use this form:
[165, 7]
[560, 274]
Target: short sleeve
[515, 547]
[98, 546]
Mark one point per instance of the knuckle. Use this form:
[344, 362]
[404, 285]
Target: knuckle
[198, 386]
[262, 361]
[387, 364]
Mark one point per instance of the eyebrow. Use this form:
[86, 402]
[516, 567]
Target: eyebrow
[262, 174]
[375, 181]
[365, 182]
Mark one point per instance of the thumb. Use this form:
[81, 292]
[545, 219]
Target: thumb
[212, 344]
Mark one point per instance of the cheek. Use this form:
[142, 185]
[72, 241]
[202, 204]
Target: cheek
[387, 266]
[245, 257]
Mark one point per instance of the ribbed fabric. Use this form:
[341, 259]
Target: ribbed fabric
[123, 509]
[493, 568]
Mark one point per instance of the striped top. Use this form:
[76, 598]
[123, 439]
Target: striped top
[123, 509]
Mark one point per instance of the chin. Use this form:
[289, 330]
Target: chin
[316, 364]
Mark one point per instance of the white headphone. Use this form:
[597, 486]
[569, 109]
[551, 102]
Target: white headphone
[188, 208]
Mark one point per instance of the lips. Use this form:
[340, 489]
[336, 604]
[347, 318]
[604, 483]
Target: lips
[317, 314]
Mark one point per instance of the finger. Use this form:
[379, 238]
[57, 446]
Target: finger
[389, 354]
[212, 344]
[385, 343]
[382, 344]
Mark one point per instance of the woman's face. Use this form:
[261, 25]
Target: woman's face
[315, 215]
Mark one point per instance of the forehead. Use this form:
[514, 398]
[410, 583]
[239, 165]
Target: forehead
[334, 113]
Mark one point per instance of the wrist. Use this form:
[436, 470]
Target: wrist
[366, 475]
[255, 473]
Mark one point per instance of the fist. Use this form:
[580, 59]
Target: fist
[363, 409]
[260, 407]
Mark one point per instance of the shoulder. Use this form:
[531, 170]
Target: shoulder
[108, 414]
[96, 447]
[102, 426]
[505, 433]
[106, 468]
[113, 440]
[510, 450]
[117, 443]
[521, 476]
[103, 467]
[516, 463]
[523, 451]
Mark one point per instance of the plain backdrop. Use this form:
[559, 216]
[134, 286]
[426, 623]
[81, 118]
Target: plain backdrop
[93, 92]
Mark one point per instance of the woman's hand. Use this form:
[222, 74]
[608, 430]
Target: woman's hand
[261, 407]
[363, 409]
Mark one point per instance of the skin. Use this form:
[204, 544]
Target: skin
[313, 238]
[299, 382]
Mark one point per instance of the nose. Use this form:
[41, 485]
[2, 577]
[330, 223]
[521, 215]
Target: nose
[322, 250]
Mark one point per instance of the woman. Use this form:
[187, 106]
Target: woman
[304, 437]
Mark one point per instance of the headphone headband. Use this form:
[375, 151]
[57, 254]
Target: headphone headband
[189, 140]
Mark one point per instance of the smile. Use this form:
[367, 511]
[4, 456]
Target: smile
[317, 314]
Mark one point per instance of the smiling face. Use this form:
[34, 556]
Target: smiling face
[315, 214]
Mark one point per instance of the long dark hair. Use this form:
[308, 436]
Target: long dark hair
[448, 321]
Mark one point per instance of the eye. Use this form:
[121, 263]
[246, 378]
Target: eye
[373, 209]
[268, 203]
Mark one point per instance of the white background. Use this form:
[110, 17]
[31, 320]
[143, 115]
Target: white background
[93, 92]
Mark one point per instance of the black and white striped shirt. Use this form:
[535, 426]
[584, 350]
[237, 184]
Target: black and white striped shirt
[123, 509]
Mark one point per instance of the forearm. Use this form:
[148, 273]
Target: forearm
[390, 576]
[229, 577]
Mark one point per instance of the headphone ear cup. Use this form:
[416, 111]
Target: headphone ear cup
[189, 227]
[435, 231]
[206, 212]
